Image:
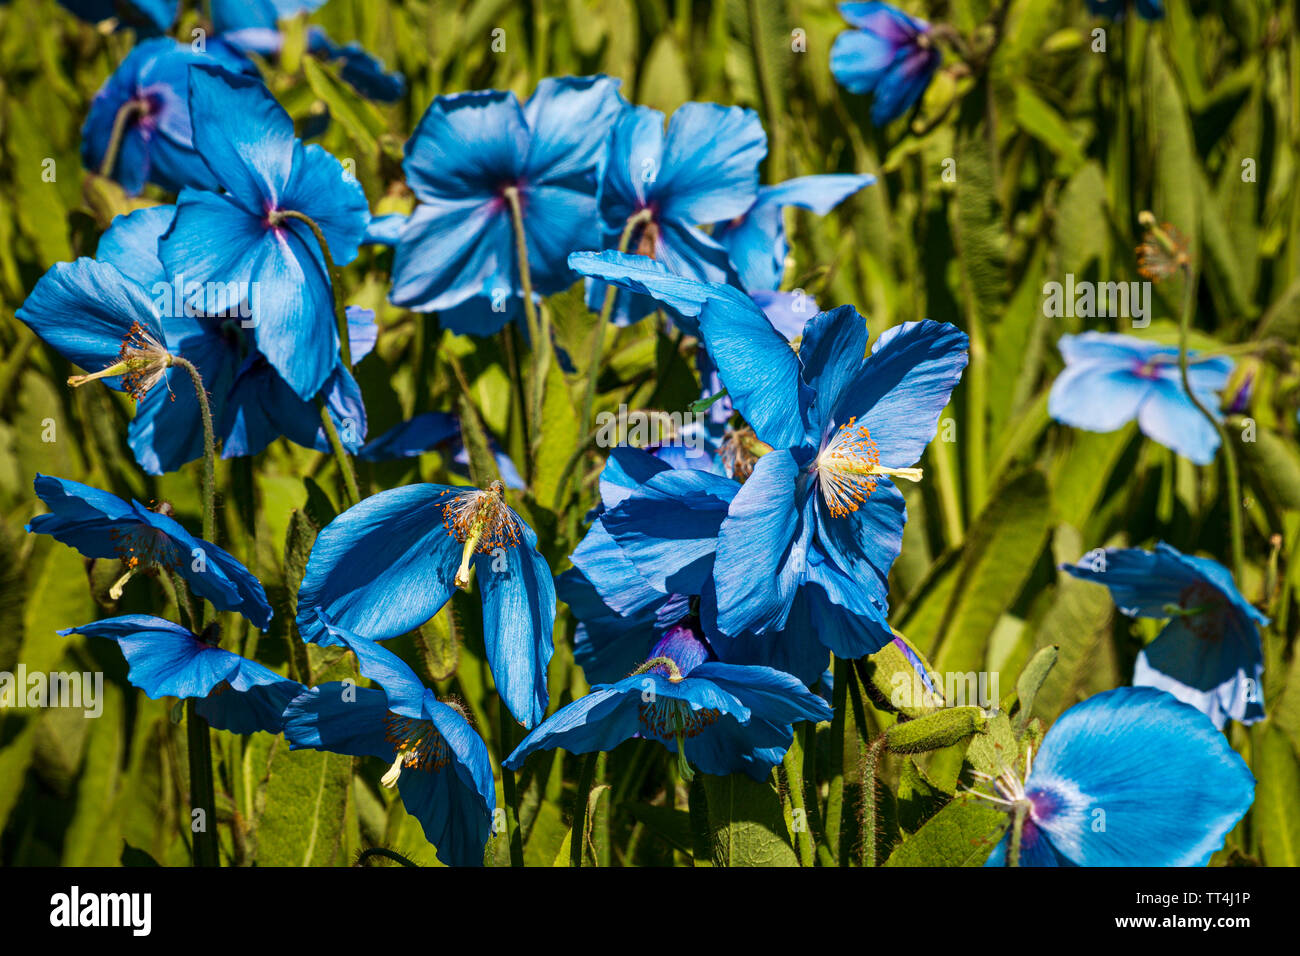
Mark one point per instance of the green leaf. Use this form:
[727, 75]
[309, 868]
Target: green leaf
[961, 834]
[306, 803]
[1277, 794]
[999, 553]
[748, 824]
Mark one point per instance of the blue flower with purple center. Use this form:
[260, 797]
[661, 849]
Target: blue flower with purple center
[1129, 777]
[890, 55]
[1110, 380]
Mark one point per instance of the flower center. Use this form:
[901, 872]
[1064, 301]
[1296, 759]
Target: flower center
[848, 466]
[664, 718]
[1201, 606]
[482, 522]
[419, 747]
[141, 361]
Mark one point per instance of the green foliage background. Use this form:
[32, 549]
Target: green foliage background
[1080, 142]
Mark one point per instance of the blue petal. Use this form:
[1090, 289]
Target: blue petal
[454, 803]
[710, 163]
[609, 569]
[569, 118]
[385, 230]
[131, 244]
[413, 437]
[769, 694]
[341, 718]
[903, 386]
[606, 645]
[518, 617]
[1169, 417]
[85, 309]
[762, 548]
[243, 135]
[405, 691]
[383, 567]
[668, 527]
[252, 698]
[164, 659]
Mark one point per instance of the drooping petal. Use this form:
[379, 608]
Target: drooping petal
[454, 802]
[85, 310]
[518, 617]
[164, 659]
[405, 691]
[383, 567]
[341, 718]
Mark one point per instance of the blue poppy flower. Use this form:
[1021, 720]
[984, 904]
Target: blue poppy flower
[810, 536]
[440, 765]
[646, 565]
[1110, 380]
[251, 404]
[890, 55]
[1129, 777]
[388, 564]
[149, 17]
[704, 169]
[102, 525]
[755, 240]
[1114, 9]
[243, 235]
[156, 142]
[428, 431]
[1209, 654]
[458, 247]
[167, 660]
[718, 718]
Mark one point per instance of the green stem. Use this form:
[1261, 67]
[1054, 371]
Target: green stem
[536, 331]
[341, 456]
[385, 853]
[1229, 455]
[202, 791]
[638, 218]
[209, 449]
[125, 113]
[505, 721]
[839, 724]
[794, 774]
[1017, 833]
[579, 835]
[335, 276]
[870, 803]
